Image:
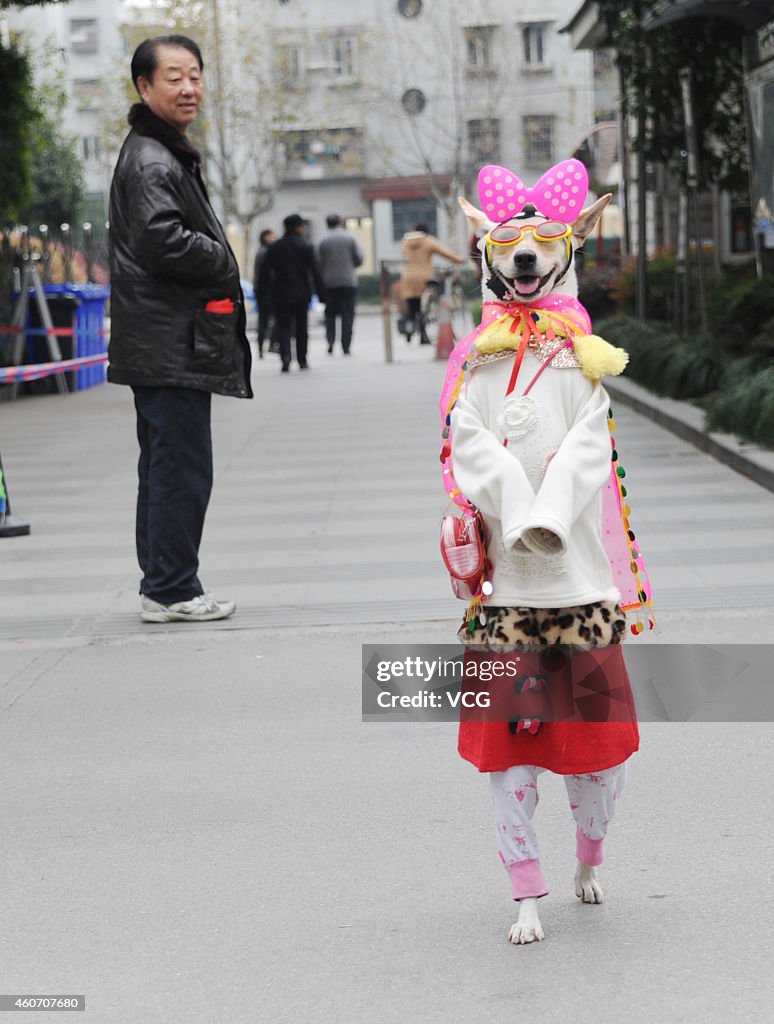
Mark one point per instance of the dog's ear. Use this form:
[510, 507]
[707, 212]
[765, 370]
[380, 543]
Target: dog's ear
[478, 220]
[585, 223]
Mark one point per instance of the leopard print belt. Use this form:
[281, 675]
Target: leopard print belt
[522, 629]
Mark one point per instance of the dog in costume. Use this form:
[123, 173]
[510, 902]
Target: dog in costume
[528, 448]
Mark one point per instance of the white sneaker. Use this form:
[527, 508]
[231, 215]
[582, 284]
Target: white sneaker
[203, 608]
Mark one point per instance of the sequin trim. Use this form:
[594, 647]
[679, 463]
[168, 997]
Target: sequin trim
[539, 346]
[542, 348]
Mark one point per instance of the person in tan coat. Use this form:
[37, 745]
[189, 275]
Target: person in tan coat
[419, 247]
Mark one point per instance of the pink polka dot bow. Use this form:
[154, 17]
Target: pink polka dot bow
[560, 193]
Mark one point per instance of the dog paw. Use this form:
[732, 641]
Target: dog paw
[587, 887]
[528, 927]
[521, 934]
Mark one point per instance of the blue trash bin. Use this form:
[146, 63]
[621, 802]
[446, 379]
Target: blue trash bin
[89, 325]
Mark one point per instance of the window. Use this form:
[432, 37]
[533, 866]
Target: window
[91, 147]
[604, 63]
[407, 213]
[479, 48]
[538, 140]
[344, 57]
[290, 64]
[534, 39]
[86, 93]
[84, 35]
[741, 229]
[484, 141]
[324, 152]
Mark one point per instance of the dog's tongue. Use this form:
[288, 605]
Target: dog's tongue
[526, 285]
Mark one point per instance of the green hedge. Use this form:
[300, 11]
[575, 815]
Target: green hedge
[740, 305]
[661, 282]
[664, 362]
[738, 392]
[745, 405]
[741, 310]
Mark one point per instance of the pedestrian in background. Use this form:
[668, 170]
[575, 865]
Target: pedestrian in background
[419, 247]
[339, 256]
[293, 277]
[178, 324]
[261, 290]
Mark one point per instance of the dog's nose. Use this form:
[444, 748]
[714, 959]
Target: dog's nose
[525, 260]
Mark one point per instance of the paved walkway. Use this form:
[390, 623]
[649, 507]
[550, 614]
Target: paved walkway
[326, 504]
[197, 825]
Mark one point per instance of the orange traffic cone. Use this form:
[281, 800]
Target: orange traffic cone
[445, 341]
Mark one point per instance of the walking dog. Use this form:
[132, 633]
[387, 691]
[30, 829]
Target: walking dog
[527, 445]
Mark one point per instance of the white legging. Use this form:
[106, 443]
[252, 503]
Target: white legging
[593, 799]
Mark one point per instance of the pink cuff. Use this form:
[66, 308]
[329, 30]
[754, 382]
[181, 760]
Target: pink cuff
[589, 851]
[527, 879]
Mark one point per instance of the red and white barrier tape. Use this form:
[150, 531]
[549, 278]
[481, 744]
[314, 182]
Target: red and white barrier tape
[51, 332]
[36, 371]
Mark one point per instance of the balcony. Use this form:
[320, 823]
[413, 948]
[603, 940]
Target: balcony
[324, 154]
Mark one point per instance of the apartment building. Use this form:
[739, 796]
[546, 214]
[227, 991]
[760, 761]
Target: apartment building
[404, 100]
[389, 107]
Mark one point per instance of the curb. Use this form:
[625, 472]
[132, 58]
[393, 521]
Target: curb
[687, 422]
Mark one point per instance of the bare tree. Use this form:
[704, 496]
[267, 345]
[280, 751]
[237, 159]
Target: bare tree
[245, 155]
[437, 118]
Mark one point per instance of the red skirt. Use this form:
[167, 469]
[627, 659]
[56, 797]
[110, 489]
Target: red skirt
[571, 713]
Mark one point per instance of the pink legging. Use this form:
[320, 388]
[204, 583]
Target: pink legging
[593, 799]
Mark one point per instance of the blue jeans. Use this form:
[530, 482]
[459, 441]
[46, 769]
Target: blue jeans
[175, 480]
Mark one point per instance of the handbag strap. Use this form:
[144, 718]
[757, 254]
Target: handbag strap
[549, 358]
[517, 366]
[517, 361]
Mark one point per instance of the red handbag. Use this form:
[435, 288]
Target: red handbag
[463, 549]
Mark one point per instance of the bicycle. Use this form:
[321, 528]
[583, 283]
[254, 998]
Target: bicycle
[448, 284]
[426, 322]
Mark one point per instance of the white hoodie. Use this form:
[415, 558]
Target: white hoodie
[549, 477]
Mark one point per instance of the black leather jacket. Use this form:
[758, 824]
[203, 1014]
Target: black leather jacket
[169, 257]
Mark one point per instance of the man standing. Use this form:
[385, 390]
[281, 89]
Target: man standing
[292, 278]
[340, 256]
[261, 291]
[178, 325]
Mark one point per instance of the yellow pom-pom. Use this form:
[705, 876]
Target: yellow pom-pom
[497, 337]
[597, 357]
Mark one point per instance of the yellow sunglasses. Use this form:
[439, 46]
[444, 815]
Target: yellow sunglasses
[510, 234]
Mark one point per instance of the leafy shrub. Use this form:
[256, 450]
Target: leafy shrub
[661, 282]
[762, 345]
[745, 405]
[597, 281]
[742, 312]
[664, 362]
